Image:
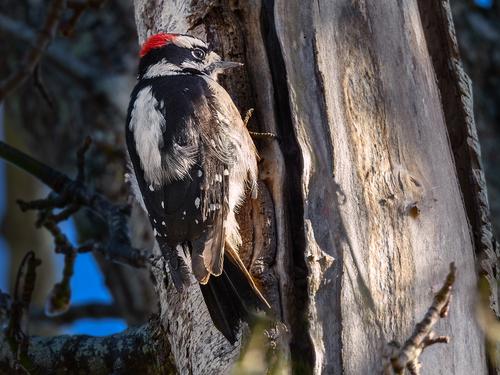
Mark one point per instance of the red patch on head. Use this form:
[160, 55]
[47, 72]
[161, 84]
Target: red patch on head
[156, 41]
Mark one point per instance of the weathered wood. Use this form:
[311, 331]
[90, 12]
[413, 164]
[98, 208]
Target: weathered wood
[380, 140]
[367, 199]
[455, 89]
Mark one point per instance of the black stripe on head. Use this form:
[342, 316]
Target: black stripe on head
[177, 51]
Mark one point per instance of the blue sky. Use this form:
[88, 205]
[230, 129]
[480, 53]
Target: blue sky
[87, 283]
[484, 3]
[87, 286]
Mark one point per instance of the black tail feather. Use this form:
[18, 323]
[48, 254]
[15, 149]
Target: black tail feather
[179, 270]
[230, 298]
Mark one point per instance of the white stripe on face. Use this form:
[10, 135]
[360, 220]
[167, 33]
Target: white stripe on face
[185, 41]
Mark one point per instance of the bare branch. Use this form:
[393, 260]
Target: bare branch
[66, 213]
[39, 84]
[118, 247]
[33, 56]
[60, 296]
[23, 291]
[263, 135]
[134, 351]
[79, 7]
[56, 53]
[80, 157]
[141, 350]
[407, 357]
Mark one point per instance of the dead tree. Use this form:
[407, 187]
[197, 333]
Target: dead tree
[372, 187]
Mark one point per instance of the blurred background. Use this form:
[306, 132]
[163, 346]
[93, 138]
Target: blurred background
[81, 87]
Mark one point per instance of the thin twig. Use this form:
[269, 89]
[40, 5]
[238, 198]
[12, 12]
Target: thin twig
[66, 213]
[78, 7]
[248, 116]
[50, 177]
[60, 296]
[44, 37]
[52, 201]
[63, 246]
[23, 292]
[57, 54]
[118, 247]
[71, 198]
[263, 135]
[39, 84]
[257, 135]
[407, 357]
[80, 157]
[137, 350]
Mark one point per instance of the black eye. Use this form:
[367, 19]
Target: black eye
[198, 54]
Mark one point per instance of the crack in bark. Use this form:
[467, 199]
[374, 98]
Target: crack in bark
[455, 89]
[301, 344]
[456, 95]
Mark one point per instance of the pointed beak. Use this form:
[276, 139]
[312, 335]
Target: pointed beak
[228, 65]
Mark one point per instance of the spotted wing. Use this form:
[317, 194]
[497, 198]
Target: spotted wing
[192, 207]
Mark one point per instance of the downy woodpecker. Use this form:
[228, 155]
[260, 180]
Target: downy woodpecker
[193, 160]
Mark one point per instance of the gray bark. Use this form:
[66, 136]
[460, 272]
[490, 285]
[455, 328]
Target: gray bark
[373, 187]
[81, 354]
[381, 139]
[367, 190]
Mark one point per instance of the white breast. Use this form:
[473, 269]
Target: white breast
[147, 123]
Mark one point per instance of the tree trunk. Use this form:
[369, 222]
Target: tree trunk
[361, 205]
[372, 187]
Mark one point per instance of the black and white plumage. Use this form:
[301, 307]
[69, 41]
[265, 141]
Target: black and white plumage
[193, 160]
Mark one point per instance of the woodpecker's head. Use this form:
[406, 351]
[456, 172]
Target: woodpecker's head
[169, 54]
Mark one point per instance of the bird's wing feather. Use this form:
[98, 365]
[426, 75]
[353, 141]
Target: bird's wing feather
[194, 205]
